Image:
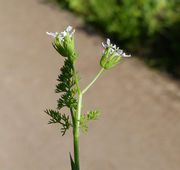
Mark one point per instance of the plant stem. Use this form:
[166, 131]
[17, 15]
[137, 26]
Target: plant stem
[76, 80]
[77, 116]
[76, 133]
[76, 146]
[76, 123]
[91, 83]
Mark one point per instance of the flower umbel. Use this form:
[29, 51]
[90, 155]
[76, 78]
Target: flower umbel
[64, 43]
[111, 55]
[63, 34]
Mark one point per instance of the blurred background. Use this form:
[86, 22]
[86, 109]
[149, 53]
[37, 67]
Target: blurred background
[150, 28]
[139, 99]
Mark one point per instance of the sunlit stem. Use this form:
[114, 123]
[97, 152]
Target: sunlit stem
[91, 83]
[76, 122]
[77, 116]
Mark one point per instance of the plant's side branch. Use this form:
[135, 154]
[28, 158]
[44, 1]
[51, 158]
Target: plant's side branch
[91, 83]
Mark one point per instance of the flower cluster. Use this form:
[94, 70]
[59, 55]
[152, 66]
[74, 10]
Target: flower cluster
[63, 34]
[64, 43]
[111, 55]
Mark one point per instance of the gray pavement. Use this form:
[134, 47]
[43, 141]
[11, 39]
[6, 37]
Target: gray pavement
[139, 128]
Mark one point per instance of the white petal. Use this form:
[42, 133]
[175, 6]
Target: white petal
[112, 51]
[125, 55]
[64, 33]
[114, 46]
[61, 37]
[72, 33]
[69, 28]
[108, 42]
[104, 45]
[120, 52]
[52, 34]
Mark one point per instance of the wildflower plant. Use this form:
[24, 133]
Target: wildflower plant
[69, 88]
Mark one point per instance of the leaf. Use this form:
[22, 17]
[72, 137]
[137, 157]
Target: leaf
[91, 115]
[73, 165]
[62, 119]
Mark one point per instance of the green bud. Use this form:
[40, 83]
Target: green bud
[104, 58]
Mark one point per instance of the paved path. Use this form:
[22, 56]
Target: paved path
[139, 128]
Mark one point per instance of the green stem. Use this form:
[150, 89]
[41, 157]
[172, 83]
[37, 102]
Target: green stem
[76, 123]
[76, 146]
[76, 80]
[72, 116]
[77, 116]
[91, 83]
[76, 133]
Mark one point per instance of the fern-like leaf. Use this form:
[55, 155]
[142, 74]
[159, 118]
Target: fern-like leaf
[62, 119]
[91, 115]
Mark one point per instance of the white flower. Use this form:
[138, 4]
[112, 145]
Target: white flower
[63, 34]
[68, 29]
[111, 55]
[113, 49]
[125, 55]
[52, 34]
[119, 52]
[106, 45]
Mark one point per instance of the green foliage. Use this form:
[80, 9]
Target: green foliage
[149, 24]
[77, 4]
[168, 51]
[91, 115]
[66, 86]
[62, 119]
[115, 18]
